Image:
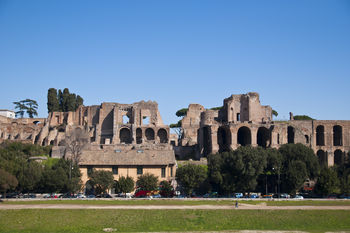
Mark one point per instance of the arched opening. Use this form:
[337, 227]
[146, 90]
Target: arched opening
[322, 158]
[125, 136]
[264, 137]
[291, 132]
[138, 136]
[206, 141]
[224, 139]
[162, 136]
[338, 157]
[320, 135]
[337, 135]
[18, 136]
[149, 134]
[244, 137]
[52, 142]
[36, 122]
[107, 123]
[89, 188]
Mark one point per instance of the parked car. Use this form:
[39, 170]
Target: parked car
[299, 197]
[91, 196]
[104, 195]
[81, 195]
[345, 196]
[238, 195]
[284, 195]
[269, 195]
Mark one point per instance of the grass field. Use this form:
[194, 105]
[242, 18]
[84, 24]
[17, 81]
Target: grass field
[185, 202]
[48, 220]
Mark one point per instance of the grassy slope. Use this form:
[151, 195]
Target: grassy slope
[172, 220]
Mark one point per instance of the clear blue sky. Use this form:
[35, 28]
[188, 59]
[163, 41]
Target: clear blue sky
[296, 54]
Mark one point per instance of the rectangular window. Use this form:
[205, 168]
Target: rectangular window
[163, 172]
[115, 170]
[171, 171]
[238, 117]
[89, 170]
[139, 170]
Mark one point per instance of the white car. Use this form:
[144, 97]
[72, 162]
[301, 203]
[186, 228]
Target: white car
[299, 197]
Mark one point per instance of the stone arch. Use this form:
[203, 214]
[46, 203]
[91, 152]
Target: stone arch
[89, 188]
[138, 136]
[291, 134]
[337, 135]
[125, 136]
[263, 137]
[224, 139]
[322, 158]
[149, 134]
[107, 123]
[52, 142]
[162, 136]
[244, 136]
[320, 135]
[338, 157]
[36, 122]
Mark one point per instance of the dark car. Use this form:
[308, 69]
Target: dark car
[104, 195]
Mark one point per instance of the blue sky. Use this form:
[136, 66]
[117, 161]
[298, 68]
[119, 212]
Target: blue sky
[296, 54]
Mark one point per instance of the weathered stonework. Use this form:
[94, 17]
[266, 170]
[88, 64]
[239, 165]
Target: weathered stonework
[243, 121]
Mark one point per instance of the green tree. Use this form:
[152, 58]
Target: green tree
[182, 112]
[53, 179]
[79, 101]
[299, 163]
[241, 168]
[21, 108]
[166, 190]
[125, 185]
[327, 182]
[215, 163]
[147, 182]
[190, 177]
[29, 176]
[7, 182]
[101, 180]
[275, 113]
[53, 104]
[302, 117]
[32, 107]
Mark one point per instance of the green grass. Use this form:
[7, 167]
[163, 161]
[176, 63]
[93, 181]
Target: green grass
[130, 202]
[183, 202]
[309, 203]
[48, 220]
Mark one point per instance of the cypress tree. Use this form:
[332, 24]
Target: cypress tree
[53, 104]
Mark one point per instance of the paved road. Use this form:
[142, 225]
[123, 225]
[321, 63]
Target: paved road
[175, 207]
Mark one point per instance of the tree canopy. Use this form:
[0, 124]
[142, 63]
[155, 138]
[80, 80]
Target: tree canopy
[190, 177]
[302, 117]
[62, 101]
[125, 185]
[101, 180]
[26, 106]
[182, 112]
[147, 182]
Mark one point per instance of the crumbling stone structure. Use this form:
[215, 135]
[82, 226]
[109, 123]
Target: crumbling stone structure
[243, 121]
[127, 139]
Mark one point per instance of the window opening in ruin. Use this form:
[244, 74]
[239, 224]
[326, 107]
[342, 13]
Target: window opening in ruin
[171, 171]
[57, 119]
[107, 123]
[51, 142]
[290, 134]
[125, 119]
[322, 158]
[307, 139]
[149, 134]
[224, 139]
[338, 157]
[115, 170]
[337, 135]
[320, 135]
[139, 170]
[145, 120]
[206, 141]
[244, 137]
[173, 143]
[278, 138]
[138, 136]
[17, 136]
[162, 136]
[163, 172]
[36, 122]
[125, 136]
[238, 117]
[263, 137]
